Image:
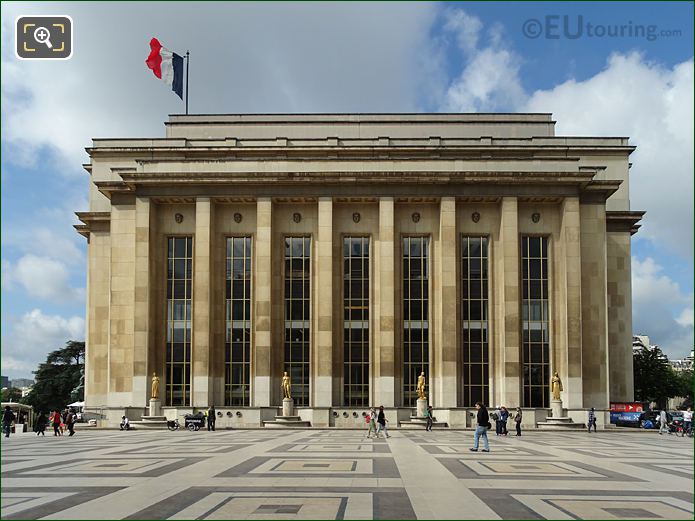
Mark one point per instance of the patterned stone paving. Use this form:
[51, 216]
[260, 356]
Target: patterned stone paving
[334, 474]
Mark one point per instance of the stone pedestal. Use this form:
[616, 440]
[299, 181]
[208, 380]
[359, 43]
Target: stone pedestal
[155, 407]
[287, 407]
[288, 420]
[556, 408]
[558, 420]
[421, 407]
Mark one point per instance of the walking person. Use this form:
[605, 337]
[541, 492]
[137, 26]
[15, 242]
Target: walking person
[517, 420]
[381, 420]
[211, 418]
[70, 422]
[56, 420]
[7, 418]
[41, 422]
[688, 421]
[504, 416]
[663, 422]
[428, 417]
[592, 419]
[483, 424]
[371, 423]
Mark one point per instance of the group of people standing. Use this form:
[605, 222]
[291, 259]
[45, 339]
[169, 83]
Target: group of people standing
[376, 422]
[501, 416]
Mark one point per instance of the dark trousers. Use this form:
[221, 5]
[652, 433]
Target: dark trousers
[6, 428]
[498, 427]
[429, 423]
[56, 430]
[211, 426]
[518, 428]
[592, 423]
[71, 428]
[503, 427]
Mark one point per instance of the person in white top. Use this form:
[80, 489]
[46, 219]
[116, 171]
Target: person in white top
[687, 421]
[663, 421]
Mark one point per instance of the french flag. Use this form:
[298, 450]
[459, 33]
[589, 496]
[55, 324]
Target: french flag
[166, 65]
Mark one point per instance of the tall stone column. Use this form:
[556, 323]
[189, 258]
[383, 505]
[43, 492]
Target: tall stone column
[384, 306]
[141, 346]
[261, 317]
[122, 298]
[445, 379]
[619, 280]
[594, 303]
[568, 351]
[201, 379]
[323, 323]
[508, 372]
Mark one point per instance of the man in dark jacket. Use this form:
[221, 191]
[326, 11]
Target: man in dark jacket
[70, 419]
[7, 418]
[211, 418]
[483, 421]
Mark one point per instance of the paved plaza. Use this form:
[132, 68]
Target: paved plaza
[338, 474]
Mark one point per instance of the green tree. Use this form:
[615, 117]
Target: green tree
[11, 394]
[56, 378]
[655, 380]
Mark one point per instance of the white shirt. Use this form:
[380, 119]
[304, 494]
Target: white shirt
[687, 416]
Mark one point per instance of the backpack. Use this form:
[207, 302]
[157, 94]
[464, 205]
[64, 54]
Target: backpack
[494, 416]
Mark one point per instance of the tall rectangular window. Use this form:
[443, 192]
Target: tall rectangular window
[178, 330]
[535, 321]
[474, 320]
[297, 315]
[238, 322]
[415, 315]
[356, 321]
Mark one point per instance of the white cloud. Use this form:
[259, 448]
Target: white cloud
[33, 336]
[490, 78]
[661, 309]
[42, 278]
[245, 57]
[653, 105]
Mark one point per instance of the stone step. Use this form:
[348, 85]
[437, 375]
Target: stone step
[151, 425]
[154, 418]
[560, 425]
[420, 425]
[287, 418]
[297, 424]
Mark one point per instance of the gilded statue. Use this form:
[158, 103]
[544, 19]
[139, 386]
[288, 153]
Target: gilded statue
[286, 386]
[155, 385]
[556, 386]
[421, 386]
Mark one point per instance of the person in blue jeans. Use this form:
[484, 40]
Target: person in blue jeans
[483, 421]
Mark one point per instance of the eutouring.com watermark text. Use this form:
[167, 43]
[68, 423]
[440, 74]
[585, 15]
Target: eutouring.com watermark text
[574, 27]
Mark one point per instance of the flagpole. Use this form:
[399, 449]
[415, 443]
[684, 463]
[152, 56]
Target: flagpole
[188, 66]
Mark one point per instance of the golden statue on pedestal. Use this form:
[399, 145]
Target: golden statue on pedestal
[421, 387]
[556, 386]
[155, 386]
[286, 386]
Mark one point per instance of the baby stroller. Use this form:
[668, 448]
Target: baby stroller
[194, 422]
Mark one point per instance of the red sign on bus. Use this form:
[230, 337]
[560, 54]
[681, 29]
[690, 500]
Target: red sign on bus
[626, 406]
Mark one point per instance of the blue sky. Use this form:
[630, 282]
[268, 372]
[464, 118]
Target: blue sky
[339, 57]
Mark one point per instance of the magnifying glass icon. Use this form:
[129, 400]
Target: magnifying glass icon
[43, 35]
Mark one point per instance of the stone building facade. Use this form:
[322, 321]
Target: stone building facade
[355, 251]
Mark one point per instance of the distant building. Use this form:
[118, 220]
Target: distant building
[684, 364]
[4, 382]
[22, 382]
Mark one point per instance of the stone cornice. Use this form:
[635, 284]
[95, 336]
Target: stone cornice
[92, 221]
[623, 221]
